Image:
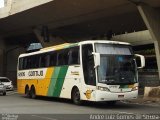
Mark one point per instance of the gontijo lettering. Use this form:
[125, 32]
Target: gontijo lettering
[35, 73]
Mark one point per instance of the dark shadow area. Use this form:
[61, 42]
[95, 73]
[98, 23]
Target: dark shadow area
[100, 105]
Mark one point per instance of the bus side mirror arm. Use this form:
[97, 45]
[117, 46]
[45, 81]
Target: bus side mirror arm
[97, 59]
[142, 61]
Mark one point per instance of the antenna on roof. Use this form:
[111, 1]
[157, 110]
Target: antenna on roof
[34, 47]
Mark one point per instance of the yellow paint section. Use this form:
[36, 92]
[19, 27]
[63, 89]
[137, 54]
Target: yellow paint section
[22, 84]
[57, 47]
[41, 85]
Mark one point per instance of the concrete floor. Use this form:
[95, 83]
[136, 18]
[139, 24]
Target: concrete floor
[44, 108]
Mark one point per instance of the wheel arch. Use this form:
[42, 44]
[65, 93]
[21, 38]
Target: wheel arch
[74, 87]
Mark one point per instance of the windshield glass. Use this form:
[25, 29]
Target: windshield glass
[117, 64]
[4, 80]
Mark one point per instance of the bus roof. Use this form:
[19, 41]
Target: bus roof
[68, 45]
[103, 41]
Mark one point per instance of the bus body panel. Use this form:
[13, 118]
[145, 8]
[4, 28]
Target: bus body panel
[73, 78]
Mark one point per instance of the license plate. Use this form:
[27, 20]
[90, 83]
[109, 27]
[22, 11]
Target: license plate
[120, 96]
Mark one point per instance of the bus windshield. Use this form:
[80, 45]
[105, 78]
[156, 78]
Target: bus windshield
[117, 64]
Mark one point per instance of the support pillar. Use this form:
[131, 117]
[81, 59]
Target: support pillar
[151, 18]
[2, 58]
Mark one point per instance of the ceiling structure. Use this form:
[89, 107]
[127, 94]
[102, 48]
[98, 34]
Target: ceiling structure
[75, 19]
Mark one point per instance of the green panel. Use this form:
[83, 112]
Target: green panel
[60, 81]
[53, 81]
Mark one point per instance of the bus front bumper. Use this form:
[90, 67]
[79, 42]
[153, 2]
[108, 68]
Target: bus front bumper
[110, 96]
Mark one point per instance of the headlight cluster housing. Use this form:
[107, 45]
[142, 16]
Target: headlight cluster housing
[135, 88]
[102, 88]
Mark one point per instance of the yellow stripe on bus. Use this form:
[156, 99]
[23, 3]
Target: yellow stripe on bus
[57, 47]
[43, 85]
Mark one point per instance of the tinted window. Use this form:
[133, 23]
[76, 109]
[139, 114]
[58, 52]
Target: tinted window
[4, 80]
[60, 58]
[69, 56]
[63, 57]
[44, 60]
[53, 59]
[20, 63]
[74, 56]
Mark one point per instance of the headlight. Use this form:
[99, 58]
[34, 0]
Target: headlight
[102, 88]
[135, 88]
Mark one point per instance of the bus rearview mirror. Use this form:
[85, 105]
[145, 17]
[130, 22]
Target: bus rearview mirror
[141, 61]
[97, 59]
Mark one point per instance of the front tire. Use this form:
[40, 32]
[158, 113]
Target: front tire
[76, 96]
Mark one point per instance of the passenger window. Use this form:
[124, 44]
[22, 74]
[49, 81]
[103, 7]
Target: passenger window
[74, 56]
[36, 61]
[53, 59]
[60, 58]
[25, 63]
[63, 57]
[20, 63]
[44, 60]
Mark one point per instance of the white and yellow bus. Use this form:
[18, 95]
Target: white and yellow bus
[89, 70]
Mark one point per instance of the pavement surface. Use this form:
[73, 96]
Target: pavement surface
[17, 107]
[145, 100]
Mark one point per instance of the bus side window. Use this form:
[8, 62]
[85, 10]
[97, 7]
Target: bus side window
[34, 61]
[44, 60]
[60, 58]
[28, 63]
[53, 59]
[20, 64]
[24, 63]
[63, 57]
[88, 64]
[73, 56]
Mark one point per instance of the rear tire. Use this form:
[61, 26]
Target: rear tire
[27, 92]
[33, 92]
[76, 96]
[4, 93]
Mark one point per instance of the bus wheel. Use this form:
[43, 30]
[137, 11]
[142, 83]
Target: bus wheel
[4, 93]
[27, 92]
[111, 103]
[33, 92]
[76, 96]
